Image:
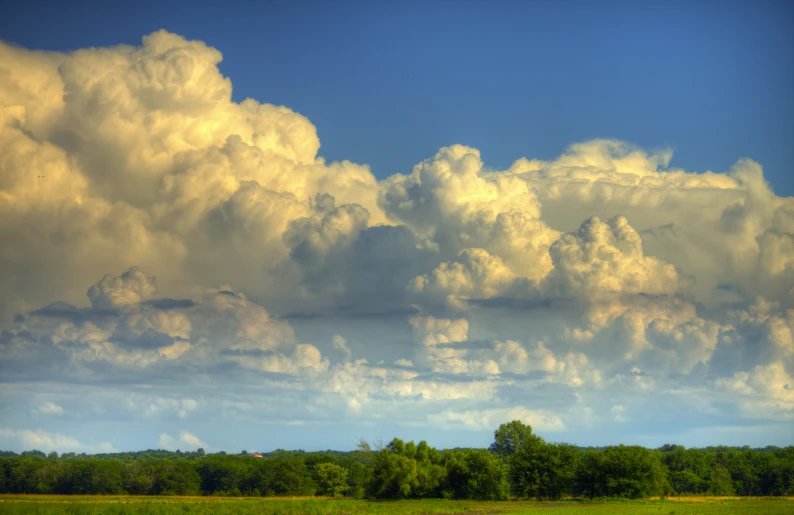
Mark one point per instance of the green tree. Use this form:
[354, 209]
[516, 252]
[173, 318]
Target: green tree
[393, 475]
[332, 479]
[589, 477]
[430, 470]
[622, 471]
[542, 470]
[290, 477]
[139, 477]
[93, 476]
[510, 437]
[176, 477]
[476, 474]
[721, 483]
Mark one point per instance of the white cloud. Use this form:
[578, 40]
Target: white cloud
[48, 408]
[491, 418]
[304, 359]
[454, 203]
[475, 274]
[607, 258]
[766, 391]
[603, 276]
[38, 439]
[155, 406]
[185, 441]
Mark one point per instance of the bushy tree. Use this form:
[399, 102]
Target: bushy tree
[288, 477]
[176, 478]
[393, 475]
[430, 470]
[221, 473]
[476, 474]
[332, 479]
[359, 476]
[542, 470]
[621, 471]
[589, 479]
[510, 437]
[403, 470]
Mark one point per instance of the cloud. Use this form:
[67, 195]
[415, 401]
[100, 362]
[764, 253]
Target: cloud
[183, 158]
[475, 274]
[491, 418]
[184, 441]
[765, 392]
[430, 331]
[218, 326]
[131, 288]
[38, 439]
[155, 406]
[48, 408]
[340, 345]
[591, 285]
[455, 204]
[607, 258]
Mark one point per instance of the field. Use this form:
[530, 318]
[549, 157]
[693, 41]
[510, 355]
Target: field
[117, 505]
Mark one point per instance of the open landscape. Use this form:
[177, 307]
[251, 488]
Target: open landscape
[114, 505]
[518, 473]
[401, 257]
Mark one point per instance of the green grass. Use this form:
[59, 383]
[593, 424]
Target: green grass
[123, 505]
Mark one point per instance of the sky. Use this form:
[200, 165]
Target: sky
[302, 223]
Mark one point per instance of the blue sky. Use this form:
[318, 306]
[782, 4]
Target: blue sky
[299, 223]
[388, 83]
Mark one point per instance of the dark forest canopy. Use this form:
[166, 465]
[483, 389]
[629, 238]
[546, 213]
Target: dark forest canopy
[518, 463]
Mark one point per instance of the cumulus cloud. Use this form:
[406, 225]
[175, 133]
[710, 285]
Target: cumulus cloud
[488, 419]
[603, 276]
[184, 441]
[474, 274]
[144, 151]
[607, 257]
[131, 288]
[453, 203]
[38, 439]
[765, 390]
[218, 326]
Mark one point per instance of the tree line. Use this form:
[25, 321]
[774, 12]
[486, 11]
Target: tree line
[517, 464]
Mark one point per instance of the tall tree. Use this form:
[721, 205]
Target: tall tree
[510, 437]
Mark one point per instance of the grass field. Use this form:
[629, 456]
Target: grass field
[47, 504]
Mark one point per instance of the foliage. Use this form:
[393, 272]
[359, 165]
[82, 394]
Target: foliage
[621, 471]
[510, 437]
[517, 461]
[542, 470]
[332, 479]
[476, 474]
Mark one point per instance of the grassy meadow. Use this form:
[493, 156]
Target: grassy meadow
[74, 505]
